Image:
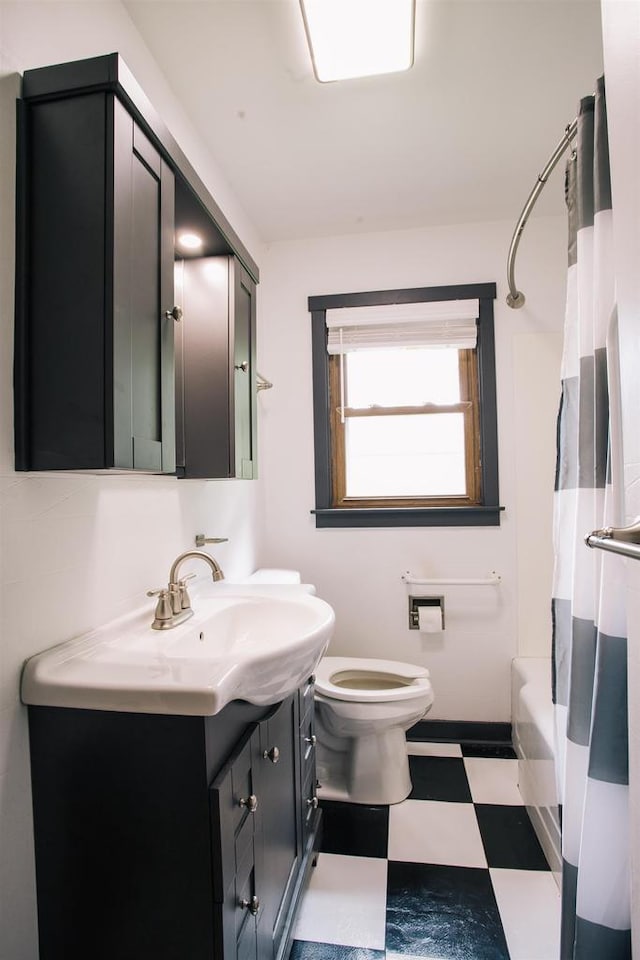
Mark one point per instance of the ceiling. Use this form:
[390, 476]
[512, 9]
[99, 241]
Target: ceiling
[460, 137]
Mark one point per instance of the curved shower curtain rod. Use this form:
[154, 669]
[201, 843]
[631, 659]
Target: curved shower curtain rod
[515, 297]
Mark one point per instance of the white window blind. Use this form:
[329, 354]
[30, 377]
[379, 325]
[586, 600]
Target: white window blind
[447, 323]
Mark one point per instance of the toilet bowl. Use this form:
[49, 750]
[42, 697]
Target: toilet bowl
[363, 708]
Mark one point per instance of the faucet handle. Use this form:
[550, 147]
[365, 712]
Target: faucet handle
[183, 593]
[164, 611]
[175, 598]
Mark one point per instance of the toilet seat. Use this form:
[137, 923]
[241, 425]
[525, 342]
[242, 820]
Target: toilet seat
[348, 678]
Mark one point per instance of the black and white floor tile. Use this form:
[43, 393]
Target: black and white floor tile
[455, 872]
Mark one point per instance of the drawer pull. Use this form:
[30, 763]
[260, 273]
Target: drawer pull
[312, 739]
[250, 802]
[252, 905]
[312, 802]
[273, 754]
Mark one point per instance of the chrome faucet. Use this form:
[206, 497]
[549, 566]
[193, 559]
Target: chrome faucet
[216, 571]
[174, 603]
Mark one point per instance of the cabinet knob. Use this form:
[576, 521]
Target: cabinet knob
[273, 754]
[312, 739]
[312, 802]
[251, 803]
[244, 366]
[174, 314]
[252, 905]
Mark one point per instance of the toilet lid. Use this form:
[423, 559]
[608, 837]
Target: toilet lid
[365, 679]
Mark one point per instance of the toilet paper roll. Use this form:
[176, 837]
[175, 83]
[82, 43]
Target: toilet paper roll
[429, 619]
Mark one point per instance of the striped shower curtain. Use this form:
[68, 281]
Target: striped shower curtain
[589, 629]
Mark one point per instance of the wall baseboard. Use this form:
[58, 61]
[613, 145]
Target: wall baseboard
[461, 731]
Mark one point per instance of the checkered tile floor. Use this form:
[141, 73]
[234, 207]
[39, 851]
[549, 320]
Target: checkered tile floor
[455, 872]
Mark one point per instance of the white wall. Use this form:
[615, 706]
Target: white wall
[74, 550]
[621, 42]
[358, 571]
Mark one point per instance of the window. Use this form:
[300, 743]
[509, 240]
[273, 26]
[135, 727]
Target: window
[404, 408]
[407, 434]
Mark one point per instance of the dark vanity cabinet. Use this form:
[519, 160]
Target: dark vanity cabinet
[167, 838]
[103, 192]
[215, 369]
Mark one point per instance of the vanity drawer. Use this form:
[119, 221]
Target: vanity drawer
[235, 926]
[234, 814]
[309, 802]
[307, 744]
[310, 813]
[305, 694]
[307, 728]
[244, 894]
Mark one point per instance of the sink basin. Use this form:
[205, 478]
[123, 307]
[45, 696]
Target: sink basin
[257, 645]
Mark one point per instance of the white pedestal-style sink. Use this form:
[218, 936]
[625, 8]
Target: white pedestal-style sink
[254, 641]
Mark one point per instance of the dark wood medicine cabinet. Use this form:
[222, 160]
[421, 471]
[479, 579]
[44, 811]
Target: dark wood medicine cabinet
[130, 354]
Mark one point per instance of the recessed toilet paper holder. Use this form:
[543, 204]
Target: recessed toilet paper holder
[416, 602]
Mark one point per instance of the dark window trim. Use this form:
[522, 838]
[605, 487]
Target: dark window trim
[488, 514]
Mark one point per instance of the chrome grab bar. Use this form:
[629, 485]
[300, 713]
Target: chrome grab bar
[624, 541]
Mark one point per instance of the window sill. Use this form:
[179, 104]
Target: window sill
[408, 517]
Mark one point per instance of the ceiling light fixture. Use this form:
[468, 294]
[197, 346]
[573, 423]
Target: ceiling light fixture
[359, 38]
[189, 241]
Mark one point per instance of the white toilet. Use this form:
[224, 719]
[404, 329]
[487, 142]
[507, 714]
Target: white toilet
[363, 708]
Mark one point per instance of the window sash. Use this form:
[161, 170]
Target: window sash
[380, 411]
[468, 406]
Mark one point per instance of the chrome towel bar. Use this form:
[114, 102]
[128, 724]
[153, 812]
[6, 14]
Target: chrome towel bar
[624, 541]
[493, 580]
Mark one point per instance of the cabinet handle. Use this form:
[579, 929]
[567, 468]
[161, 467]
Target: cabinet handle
[244, 366]
[174, 314]
[252, 905]
[273, 754]
[312, 739]
[250, 802]
[312, 802]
